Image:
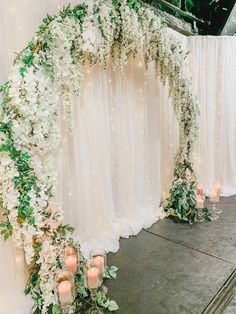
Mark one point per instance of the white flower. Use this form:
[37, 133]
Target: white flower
[2, 138]
[34, 104]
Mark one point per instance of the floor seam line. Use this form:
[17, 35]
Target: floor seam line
[189, 247]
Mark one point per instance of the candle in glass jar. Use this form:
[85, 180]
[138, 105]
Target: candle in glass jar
[200, 189]
[70, 251]
[93, 278]
[65, 292]
[200, 202]
[214, 198]
[71, 262]
[218, 188]
[99, 262]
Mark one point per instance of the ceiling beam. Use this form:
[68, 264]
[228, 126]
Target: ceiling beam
[230, 25]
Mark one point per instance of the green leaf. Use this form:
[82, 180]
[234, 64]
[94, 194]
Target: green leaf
[27, 290]
[6, 236]
[102, 299]
[22, 72]
[81, 290]
[31, 221]
[113, 306]
[56, 309]
[110, 273]
[28, 60]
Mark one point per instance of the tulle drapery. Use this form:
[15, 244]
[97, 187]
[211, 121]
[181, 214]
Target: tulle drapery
[213, 67]
[110, 165]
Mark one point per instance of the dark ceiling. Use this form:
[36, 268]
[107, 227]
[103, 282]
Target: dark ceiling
[210, 16]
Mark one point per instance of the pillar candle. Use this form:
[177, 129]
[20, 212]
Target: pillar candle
[200, 203]
[70, 251]
[218, 188]
[214, 198]
[93, 278]
[65, 292]
[74, 252]
[71, 262]
[99, 263]
[200, 189]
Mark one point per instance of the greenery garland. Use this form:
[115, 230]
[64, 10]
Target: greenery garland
[48, 70]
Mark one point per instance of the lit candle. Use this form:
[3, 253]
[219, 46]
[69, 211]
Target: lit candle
[214, 197]
[200, 202]
[218, 188]
[70, 251]
[93, 278]
[71, 262]
[73, 251]
[200, 189]
[65, 292]
[99, 262]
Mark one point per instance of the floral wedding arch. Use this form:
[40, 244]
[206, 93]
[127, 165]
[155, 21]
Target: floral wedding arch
[45, 74]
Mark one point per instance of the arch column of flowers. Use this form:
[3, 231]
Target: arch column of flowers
[49, 71]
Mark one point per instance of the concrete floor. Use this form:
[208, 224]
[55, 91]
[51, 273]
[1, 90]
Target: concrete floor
[175, 268]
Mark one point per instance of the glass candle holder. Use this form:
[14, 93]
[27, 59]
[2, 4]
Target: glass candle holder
[65, 288]
[200, 189]
[71, 259]
[218, 188]
[214, 199]
[100, 257]
[93, 279]
[93, 263]
[200, 205]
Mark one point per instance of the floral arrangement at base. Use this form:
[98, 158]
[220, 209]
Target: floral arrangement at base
[49, 72]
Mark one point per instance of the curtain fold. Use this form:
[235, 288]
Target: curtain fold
[213, 67]
[110, 168]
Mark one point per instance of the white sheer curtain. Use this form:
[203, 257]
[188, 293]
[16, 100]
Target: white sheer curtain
[118, 162]
[111, 164]
[213, 66]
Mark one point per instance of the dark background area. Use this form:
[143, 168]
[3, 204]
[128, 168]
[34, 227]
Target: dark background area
[213, 13]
